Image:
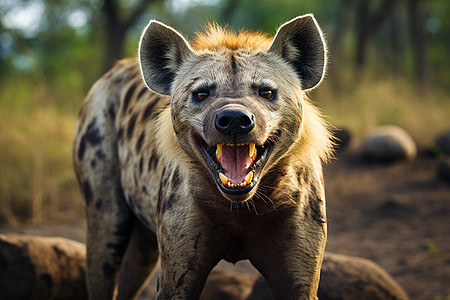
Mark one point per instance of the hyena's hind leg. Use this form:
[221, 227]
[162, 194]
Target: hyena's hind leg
[109, 220]
[138, 263]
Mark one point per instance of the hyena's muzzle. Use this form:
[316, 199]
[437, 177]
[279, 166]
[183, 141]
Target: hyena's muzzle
[237, 145]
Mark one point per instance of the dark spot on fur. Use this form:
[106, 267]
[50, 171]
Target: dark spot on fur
[101, 155]
[141, 163]
[153, 161]
[140, 141]
[148, 110]
[120, 133]
[176, 179]
[131, 125]
[93, 134]
[118, 248]
[93, 163]
[142, 92]
[112, 111]
[98, 204]
[161, 192]
[144, 190]
[168, 203]
[317, 214]
[87, 192]
[108, 270]
[128, 96]
[81, 148]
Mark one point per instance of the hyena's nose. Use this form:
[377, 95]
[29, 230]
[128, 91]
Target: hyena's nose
[234, 122]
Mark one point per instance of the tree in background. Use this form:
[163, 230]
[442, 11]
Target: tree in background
[367, 34]
[118, 20]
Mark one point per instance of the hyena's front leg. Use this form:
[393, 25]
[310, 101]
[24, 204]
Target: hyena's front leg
[107, 239]
[109, 221]
[188, 250]
[288, 252]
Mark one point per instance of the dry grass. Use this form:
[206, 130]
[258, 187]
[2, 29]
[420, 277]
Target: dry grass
[37, 181]
[387, 101]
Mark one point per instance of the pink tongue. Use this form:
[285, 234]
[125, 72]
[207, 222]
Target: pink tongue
[235, 161]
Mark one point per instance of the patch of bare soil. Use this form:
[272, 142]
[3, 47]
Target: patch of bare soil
[395, 215]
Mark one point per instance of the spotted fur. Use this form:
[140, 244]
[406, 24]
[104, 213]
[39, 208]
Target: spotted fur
[149, 190]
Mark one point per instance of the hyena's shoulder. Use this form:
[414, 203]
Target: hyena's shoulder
[115, 116]
[121, 99]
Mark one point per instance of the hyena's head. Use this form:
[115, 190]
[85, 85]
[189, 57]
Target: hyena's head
[237, 99]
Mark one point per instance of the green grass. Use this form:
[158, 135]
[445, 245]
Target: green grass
[38, 119]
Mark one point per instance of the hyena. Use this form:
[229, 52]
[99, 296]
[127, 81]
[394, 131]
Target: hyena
[201, 151]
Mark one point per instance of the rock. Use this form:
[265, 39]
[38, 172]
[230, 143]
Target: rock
[353, 278]
[33, 267]
[342, 277]
[342, 138]
[229, 286]
[444, 169]
[443, 142]
[388, 144]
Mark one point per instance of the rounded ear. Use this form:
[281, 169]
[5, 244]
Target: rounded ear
[161, 52]
[300, 42]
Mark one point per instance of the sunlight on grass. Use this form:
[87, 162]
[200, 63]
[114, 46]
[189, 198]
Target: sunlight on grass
[388, 101]
[38, 183]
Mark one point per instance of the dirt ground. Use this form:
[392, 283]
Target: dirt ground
[396, 215]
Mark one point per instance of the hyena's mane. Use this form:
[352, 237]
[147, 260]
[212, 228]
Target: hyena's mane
[216, 38]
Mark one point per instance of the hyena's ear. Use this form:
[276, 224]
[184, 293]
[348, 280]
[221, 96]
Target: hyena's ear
[301, 43]
[161, 52]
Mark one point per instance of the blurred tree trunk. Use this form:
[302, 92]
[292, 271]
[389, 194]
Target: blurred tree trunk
[342, 25]
[367, 25]
[397, 34]
[117, 27]
[417, 17]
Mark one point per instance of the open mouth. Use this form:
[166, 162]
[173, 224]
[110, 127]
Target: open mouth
[236, 167]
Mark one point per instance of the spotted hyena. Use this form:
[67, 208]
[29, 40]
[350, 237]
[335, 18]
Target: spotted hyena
[206, 150]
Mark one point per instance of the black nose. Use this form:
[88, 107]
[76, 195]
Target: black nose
[234, 122]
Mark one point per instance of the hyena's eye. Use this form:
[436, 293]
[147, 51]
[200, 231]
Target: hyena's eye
[267, 94]
[200, 95]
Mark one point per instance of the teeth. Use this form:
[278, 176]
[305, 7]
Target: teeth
[226, 182]
[252, 150]
[224, 179]
[219, 153]
[248, 178]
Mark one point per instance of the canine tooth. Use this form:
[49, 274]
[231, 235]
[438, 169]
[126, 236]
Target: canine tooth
[219, 152]
[249, 177]
[223, 178]
[252, 149]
